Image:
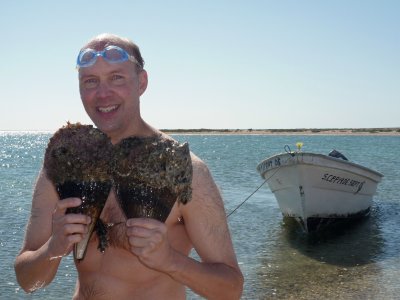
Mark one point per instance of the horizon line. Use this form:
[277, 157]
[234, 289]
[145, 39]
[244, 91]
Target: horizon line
[239, 129]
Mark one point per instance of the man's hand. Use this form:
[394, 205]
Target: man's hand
[149, 242]
[67, 229]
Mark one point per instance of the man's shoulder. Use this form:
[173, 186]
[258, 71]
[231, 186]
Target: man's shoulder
[164, 136]
[199, 166]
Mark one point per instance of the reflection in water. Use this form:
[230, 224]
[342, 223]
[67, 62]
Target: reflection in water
[336, 263]
[347, 243]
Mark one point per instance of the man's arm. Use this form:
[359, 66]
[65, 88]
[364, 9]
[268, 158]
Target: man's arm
[218, 275]
[49, 236]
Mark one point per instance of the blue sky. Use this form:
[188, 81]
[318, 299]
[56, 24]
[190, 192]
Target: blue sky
[211, 64]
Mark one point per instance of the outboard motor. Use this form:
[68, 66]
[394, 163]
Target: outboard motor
[337, 154]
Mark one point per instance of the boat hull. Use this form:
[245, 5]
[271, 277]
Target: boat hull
[310, 187]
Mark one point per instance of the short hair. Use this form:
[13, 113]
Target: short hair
[104, 40]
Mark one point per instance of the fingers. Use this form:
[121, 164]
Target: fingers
[72, 226]
[144, 244]
[75, 228]
[63, 204]
[74, 238]
[148, 240]
[76, 219]
[67, 229]
[148, 223]
[142, 238]
[145, 233]
[145, 228]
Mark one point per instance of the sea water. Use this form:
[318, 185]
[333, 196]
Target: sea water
[360, 260]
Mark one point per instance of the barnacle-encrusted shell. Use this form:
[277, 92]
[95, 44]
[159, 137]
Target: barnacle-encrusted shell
[150, 174]
[78, 152]
[77, 162]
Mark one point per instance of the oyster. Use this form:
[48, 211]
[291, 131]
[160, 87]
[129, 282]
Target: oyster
[150, 174]
[77, 162]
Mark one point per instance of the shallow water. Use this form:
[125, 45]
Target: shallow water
[359, 260]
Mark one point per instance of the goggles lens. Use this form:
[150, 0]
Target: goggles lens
[111, 54]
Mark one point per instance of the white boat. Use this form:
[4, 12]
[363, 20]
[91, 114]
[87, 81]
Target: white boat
[316, 189]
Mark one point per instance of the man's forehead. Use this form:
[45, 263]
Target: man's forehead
[102, 68]
[99, 45]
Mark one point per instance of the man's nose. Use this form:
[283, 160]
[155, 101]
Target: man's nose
[103, 89]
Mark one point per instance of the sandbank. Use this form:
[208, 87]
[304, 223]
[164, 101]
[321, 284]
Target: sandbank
[302, 131]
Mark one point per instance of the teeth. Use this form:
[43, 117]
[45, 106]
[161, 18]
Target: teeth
[107, 109]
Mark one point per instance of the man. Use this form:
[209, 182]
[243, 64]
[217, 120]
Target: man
[147, 259]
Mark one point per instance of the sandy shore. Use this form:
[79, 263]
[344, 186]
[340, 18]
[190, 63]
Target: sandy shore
[346, 131]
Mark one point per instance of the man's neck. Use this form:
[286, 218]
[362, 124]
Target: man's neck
[141, 129]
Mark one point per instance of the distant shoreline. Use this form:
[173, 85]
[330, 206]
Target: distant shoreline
[298, 131]
[316, 131]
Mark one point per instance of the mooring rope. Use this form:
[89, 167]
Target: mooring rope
[244, 201]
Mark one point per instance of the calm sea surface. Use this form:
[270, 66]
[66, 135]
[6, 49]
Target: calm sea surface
[357, 261]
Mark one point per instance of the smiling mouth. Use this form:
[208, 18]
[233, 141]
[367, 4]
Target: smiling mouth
[107, 109]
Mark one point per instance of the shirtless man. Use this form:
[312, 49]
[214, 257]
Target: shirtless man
[147, 259]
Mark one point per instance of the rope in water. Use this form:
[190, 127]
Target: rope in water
[244, 201]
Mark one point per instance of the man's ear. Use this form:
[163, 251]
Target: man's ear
[143, 80]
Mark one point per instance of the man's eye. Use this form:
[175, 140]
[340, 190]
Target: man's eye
[117, 79]
[90, 83]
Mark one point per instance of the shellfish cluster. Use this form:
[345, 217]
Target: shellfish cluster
[148, 174]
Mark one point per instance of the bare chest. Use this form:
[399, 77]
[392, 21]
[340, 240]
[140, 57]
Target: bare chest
[114, 220]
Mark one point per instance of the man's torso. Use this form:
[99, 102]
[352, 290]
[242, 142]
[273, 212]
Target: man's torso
[117, 273]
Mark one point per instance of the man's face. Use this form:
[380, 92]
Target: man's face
[110, 94]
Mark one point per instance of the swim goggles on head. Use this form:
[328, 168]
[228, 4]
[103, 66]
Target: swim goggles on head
[111, 54]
